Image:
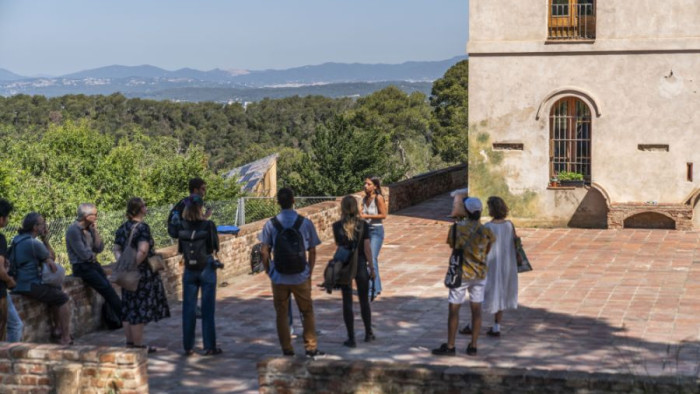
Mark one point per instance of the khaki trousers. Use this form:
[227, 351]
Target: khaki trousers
[302, 294]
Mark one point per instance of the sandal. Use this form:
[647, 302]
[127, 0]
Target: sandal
[213, 352]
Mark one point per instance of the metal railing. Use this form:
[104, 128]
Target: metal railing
[572, 20]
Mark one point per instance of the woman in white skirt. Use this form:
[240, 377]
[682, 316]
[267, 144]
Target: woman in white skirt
[501, 290]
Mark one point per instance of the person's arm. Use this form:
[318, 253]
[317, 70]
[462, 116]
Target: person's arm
[97, 244]
[74, 240]
[142, 251]
[312, 260]
[117, 251]
[265, 254]
[4, 276]
[368, 254]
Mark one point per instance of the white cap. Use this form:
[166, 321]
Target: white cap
[473, 204]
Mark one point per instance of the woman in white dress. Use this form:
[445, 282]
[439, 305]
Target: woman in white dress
[501, 290]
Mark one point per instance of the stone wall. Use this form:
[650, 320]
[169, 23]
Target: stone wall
[31, 368]
[288, 375]
[650, 216]
[422, 187]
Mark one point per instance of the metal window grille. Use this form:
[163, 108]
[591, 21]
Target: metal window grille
[570, 138]
[572, 20]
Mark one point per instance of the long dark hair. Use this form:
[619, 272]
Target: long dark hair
[134, 206]
[29, 222]
[377, 184]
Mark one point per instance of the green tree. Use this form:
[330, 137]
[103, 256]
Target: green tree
[341, 156]
[449, 99]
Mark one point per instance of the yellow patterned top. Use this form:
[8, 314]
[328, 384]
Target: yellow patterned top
[475, 240]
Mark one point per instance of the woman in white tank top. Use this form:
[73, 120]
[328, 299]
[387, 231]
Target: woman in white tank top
[374, 211]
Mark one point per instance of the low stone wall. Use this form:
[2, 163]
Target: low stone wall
[425, 186]
[31, 368]
[289, 375]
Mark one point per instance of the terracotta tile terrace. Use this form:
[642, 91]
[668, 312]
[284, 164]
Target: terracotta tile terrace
[616, 301]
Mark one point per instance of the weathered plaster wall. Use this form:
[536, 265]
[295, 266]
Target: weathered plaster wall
[641, 78]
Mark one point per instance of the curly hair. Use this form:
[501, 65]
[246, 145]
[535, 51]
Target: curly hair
[497, 207]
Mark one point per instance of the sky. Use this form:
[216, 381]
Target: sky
[49, 37]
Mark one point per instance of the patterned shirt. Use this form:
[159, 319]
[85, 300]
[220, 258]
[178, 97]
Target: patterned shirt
[475, 240]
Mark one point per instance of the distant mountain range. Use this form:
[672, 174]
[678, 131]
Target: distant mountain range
[331, 79]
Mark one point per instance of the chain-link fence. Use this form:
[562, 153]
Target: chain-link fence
[244, 210]
[252, 209]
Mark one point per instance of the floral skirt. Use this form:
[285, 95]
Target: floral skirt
[148, 303]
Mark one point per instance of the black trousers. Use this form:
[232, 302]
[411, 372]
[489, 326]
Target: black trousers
[94, 276]
[362, 282]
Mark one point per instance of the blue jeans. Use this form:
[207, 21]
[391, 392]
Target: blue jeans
[14, 323]
[376, 239]
[192, 281]
[94, 276]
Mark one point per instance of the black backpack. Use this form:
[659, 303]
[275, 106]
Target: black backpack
[175, 219]
[288, 251]
[193, 243]
[256, 264]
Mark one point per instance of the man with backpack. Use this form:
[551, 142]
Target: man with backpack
[10, 324]
[289, 236]
[197, 187]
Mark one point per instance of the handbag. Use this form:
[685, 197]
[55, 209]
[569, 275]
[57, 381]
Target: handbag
[53, 278]
[453, 277]
[156, 262]
[126, 273]
[342, 268]
[520, 257]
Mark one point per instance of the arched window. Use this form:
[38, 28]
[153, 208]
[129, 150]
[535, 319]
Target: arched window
[570, 138]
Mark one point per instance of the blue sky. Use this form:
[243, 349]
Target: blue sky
[58, 37]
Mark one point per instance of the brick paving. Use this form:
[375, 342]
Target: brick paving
[615, 301]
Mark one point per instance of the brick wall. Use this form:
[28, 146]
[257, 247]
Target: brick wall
[31, 368]
[288, 375]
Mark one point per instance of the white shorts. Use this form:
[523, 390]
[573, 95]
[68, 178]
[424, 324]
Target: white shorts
[475, 288]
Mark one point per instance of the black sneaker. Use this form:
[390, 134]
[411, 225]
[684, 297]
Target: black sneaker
[314, 353]
[288, 353]
[350, 343]
[369, 337]
[443, 350]
[466, 330]
[471, 350]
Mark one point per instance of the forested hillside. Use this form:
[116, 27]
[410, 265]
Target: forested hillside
[60, 151]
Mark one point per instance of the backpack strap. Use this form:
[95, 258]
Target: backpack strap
[298, 222]
[276, 223]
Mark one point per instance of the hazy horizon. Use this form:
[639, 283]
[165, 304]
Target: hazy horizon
[45, 38]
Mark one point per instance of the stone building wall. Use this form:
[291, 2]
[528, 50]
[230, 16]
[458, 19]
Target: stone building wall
[286, 375]
[32, 368]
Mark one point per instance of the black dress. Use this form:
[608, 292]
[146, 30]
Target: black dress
[149, 302]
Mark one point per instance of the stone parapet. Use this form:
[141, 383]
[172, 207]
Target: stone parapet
[286, 375]
[35, 368]
[425, 186]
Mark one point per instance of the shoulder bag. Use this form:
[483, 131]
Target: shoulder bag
[520, 257]
[342, 268]
[126, 273]
[453, 277]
